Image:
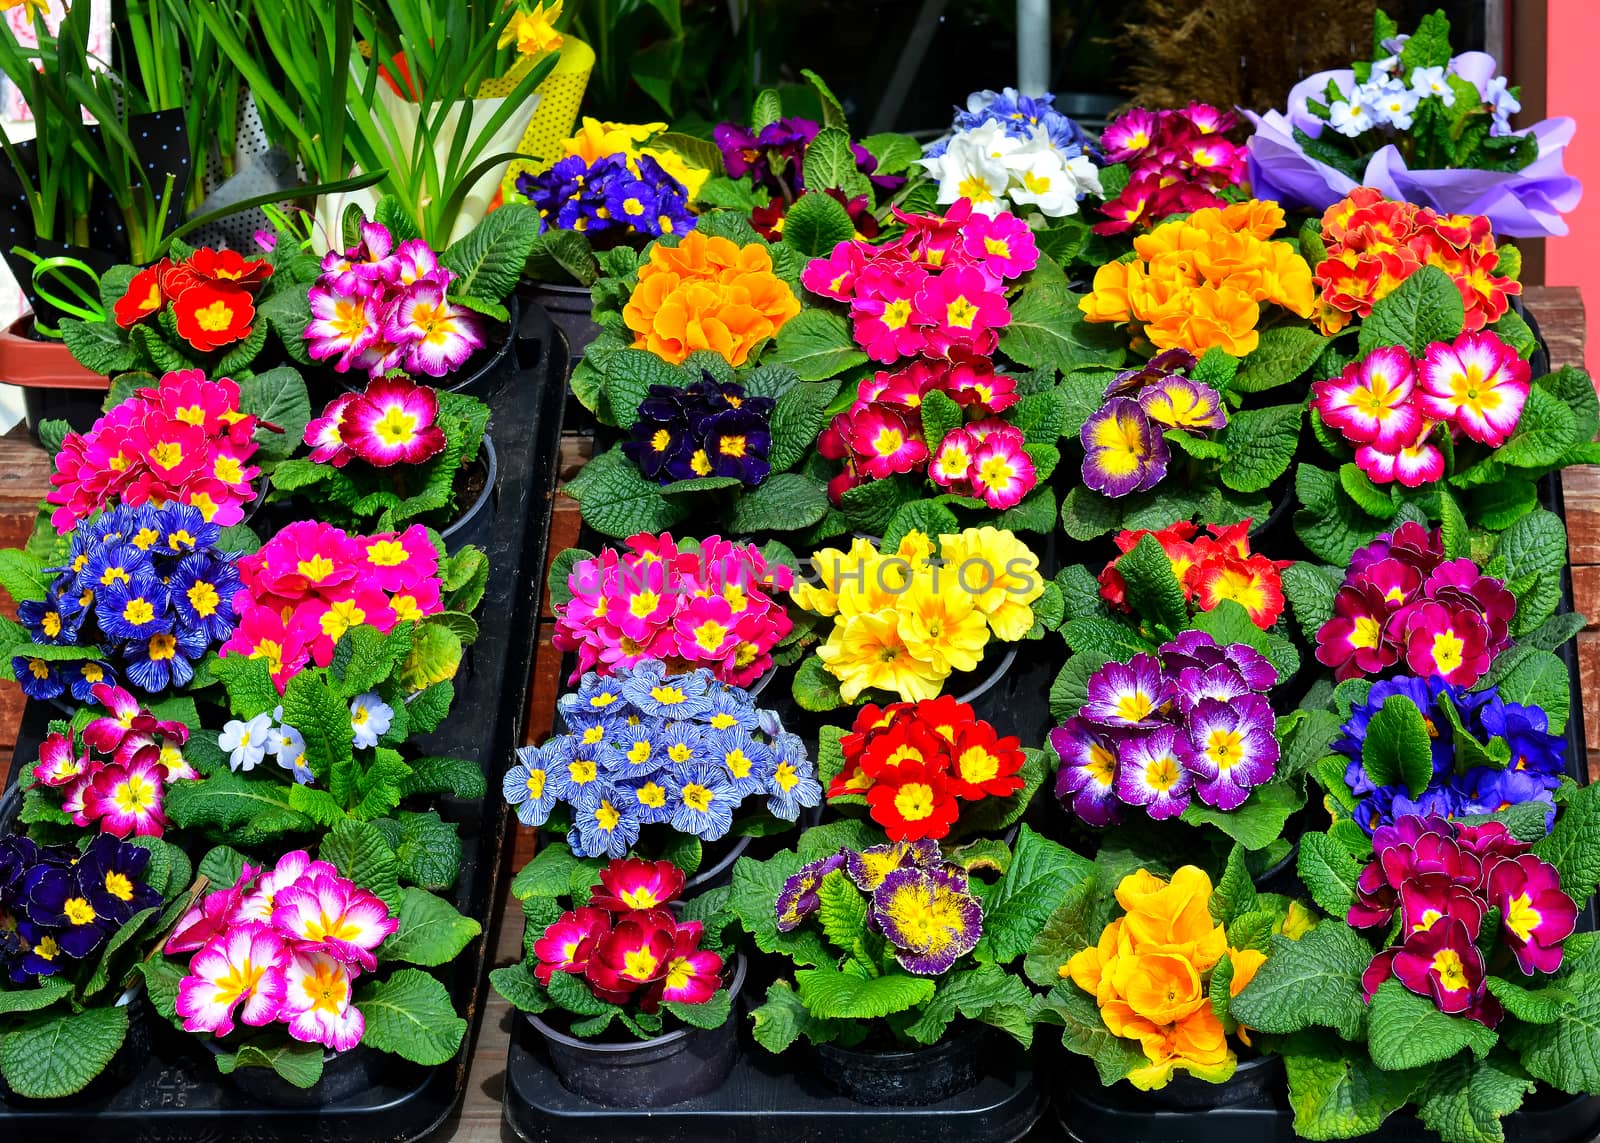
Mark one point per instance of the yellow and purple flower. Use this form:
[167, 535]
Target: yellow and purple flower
[1088, 774]
[1131, 694]
[1123, 452]
[798, 898]
[1152, 774]
[930, 918]
[1180, 403]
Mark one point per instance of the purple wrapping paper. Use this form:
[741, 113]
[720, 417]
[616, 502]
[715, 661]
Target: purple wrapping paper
[1523, 204]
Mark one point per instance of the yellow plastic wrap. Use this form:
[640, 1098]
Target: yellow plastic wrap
[560, 96]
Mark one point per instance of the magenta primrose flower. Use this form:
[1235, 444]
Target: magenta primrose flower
[288, 951]
[1391, 407]
[1402, 599]
[312, 582]
[182, 441]
[1444, 877]
[394, 421]
[719, 609]
[376, 308]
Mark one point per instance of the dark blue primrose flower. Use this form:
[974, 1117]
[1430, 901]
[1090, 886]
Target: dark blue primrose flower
[110, 876]
[45, 621]
[57, 902]
[203, 588]
[83, 677]
[165, 658]
[39, 678]
[134, 610]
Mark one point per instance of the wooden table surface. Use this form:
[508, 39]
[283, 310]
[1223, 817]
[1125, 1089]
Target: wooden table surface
[24, 473]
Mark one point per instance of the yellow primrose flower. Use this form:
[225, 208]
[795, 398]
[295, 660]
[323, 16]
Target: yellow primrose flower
[868, 651]
[1001, 575]
[533, 32]
[596, 139]
[942, 628]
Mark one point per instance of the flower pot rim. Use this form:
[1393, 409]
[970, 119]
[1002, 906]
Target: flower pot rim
[962, 1038]
[62, 370]
[491, 461]
[673, 1037]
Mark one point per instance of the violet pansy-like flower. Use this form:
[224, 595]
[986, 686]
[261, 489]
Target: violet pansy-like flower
[1231, 747]
[798, 898]
[1152, 774]
[1088, 774]
[1132, 694]
[1123, 452]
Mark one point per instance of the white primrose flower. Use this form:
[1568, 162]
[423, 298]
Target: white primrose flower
[369, 718]
[1395, 106]
[246, 742]
[1350, 119]
[1433, 81]
[973, 167]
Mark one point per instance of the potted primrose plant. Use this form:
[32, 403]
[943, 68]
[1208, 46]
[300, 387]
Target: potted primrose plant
[397, 452]
[883, 937]
[610, 185]
[666, 759]
[390, 301]
[935, 607]
[1141, 973]
[612, 944]
[266, 967]
[75, 921]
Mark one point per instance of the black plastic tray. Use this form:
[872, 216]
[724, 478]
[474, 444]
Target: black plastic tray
[1086, 1112]
[769, 1096]
[177, 1095]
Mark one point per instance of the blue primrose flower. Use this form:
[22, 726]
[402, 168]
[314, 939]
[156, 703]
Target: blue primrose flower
[793, 785]
[137, 609]
[164, 659]
[595, 699]
[746, 763]
[46, 621]
[652, 798]
[603, 829]
[203, 588]
[527, 787]
[706, 801]
[575, 774]
[82, 677]
[39, 678]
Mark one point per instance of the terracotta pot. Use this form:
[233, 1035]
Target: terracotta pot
[54, 385]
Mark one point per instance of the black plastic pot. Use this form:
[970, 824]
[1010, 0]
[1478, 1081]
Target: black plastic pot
[344, 1074]
[903, 1079]
[569, 308]
[476, 524]
[653, 1073]
[1254, 1079]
